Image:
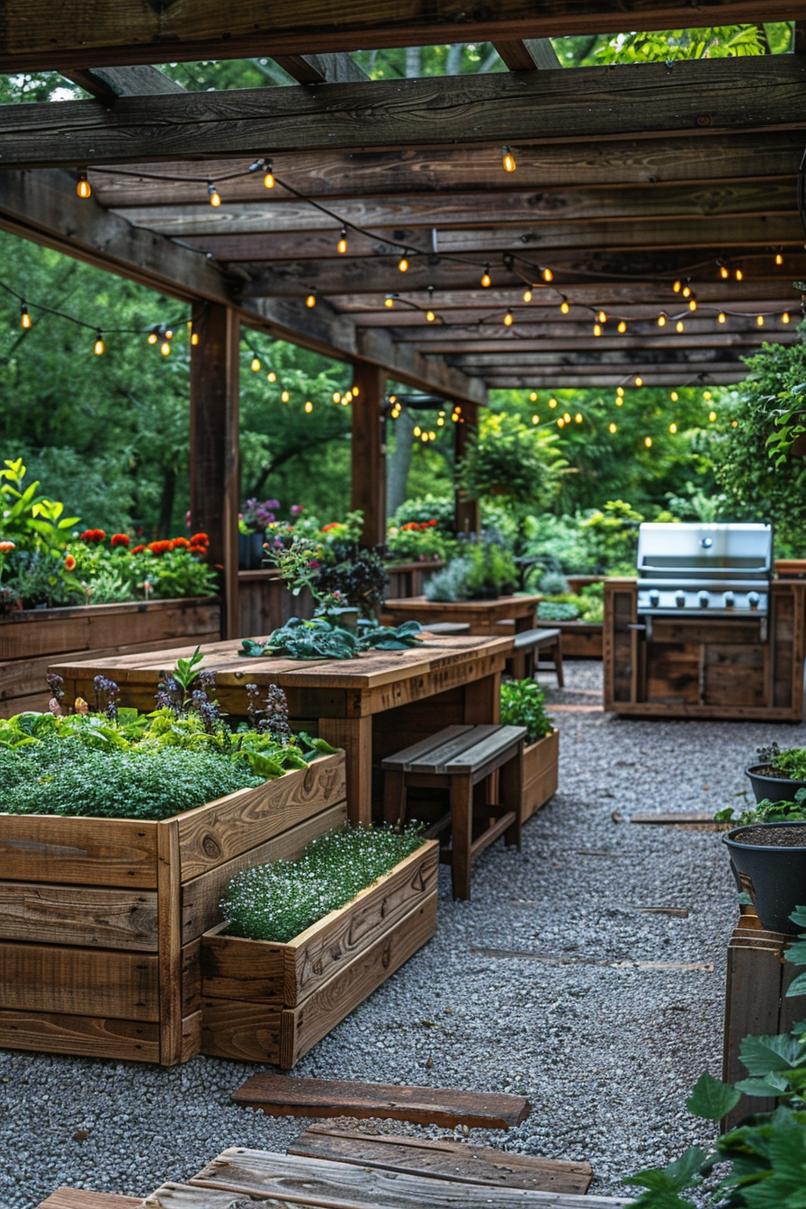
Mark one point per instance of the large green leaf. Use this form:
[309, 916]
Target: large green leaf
[711, 1098]
[760, 1055]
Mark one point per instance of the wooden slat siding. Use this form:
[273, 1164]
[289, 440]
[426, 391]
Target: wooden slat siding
[285, 974]
[37, 37]
[540, 773]
[321, 1182]
[643, 101]
[77, 915]
[90, 1036]
[247, 1032]
[232, 825]
[201, 896]
[50, 631]
[79, 1198]
[283, 1095]
[49, 978]
[443, 1159]
[78, 851]
[170, 980]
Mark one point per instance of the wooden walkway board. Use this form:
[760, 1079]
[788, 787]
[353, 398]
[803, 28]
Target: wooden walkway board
[279, 1095]
[702, 820]
[77, 1198]
[443, 1159]
[318, 1182]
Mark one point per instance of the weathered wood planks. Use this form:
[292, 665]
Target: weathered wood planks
[540, 773]
[78, 1198]
[280, 1095]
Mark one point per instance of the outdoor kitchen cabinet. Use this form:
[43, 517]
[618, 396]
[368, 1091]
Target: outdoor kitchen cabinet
[705, 667]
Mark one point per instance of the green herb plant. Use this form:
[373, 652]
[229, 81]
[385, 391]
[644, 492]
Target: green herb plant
[766, 812]
[278, 901]
[523, 704]
[788, 762]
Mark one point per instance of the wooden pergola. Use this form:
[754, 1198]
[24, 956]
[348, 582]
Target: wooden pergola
[629, 180]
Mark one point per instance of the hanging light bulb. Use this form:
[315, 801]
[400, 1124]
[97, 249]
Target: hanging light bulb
[565, 306]
[341, 246]
[611, 428]
[692, 304]
[254, 365]
[271, 376]
[547, 275]
[724, 272]
[619, 400]
[310, 301]
[680, 326]
[509, 319]
[567, 417]
[527, 294]
[25, 318]
[620, 391]
[578, 417]
[308, 407]
[662, 320]
[417, 430]
[597, 329]
[195, 339]
[678, 285]
[712, 416]
[779, 259]
[533, 396]
[674, 396]
[153, 336]
[560, 422]
[285, 396]
[486, 279]
[639, 381]
[354, 391]
[722, 317]
[337, 396]
[430, 315]
[83, 187]
[508, 162]
[686, 291]
[759, 320]
[99, 348]
[672, 428]
[552, 402]
[213, 194]
[708, 395]
[622, 327]
[739, 275]
[165, 348]
[648, 442]
[535, 419]
[268, 175]
[403, 263]
[786, 317]
[602, 316]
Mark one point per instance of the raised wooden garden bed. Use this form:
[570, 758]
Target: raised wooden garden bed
[540, 770]
[271, 1002]
[101, 919]
[579, 639]
[33, 639]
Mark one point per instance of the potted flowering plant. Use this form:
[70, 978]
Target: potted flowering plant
[253, 520]
[417, 541]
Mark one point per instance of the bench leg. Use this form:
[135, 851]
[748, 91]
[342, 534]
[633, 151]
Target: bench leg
[511, 797]
[394, 797]
[558, 663]
[461, 835]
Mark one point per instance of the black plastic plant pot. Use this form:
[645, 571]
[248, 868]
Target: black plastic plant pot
[769, 860]
[774, 789]
[250, 551]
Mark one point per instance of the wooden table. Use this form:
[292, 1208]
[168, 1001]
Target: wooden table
[483, 616]
[370, 706]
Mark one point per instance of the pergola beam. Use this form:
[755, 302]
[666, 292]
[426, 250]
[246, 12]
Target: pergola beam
[36, 35]
[321, 69]
[562, 379]
[108, 83]
[638, 101]
[530, 54]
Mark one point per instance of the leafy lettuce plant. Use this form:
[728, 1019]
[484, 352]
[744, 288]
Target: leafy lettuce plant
[766, 1153]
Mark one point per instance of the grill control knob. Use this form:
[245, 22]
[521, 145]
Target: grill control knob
[753, 599]
[654, 597]
[704, 599]
[680, 598]
[728, 599]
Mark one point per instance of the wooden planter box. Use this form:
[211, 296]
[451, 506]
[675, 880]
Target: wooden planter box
[271, 1002]
[540, 770]
[33, 639]
[578, 639]
[101, 919]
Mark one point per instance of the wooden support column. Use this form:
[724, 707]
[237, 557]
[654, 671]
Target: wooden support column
[467, 511]
[214, 441]
[369, 451]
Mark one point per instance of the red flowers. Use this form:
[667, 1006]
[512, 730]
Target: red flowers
[332, 525]
[69, 563]
[93, 537]
[200, 539]
[138, 549]
[120, 539]
[160, 547]
[418, 526]
[180, 543]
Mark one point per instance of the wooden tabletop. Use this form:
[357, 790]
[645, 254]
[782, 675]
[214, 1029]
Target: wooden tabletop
[367, 672]
[504, 604]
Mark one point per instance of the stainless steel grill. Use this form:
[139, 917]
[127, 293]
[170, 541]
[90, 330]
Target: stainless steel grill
[695, 570]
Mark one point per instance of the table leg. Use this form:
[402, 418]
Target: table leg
[461, 835]
[355, 736]
[482, 700]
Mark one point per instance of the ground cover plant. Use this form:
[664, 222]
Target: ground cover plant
[279, 900]
[111, 762]
[586, 605]
[523, 704]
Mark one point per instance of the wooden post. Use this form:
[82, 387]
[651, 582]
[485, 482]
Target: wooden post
[214, 471]
[467, 511]
[369, 451]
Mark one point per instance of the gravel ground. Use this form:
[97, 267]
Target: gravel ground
[515, 993]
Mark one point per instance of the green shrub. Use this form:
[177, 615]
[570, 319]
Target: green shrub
[523, 704]
[280, 900]
[557, 610]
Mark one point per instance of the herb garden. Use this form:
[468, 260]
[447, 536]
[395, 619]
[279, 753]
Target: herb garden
[402, 597]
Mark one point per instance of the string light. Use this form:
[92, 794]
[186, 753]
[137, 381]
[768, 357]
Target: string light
[724, 272]
[165, 348]
[552, 402]
[648, 442]
[560, 421]
[602, 316]
[712, 416]
[565, 306]
[692, 304]
[533, 397]
[486, 279]
[341, 246]
[639, 381]
[786, 317]
[403, 263]
[508, 162]
[622, 327]
[389, 301]
[662, 320]
[686, 291]
[308, 407]
[674, 396]
[254, 365]
[268, 175]
[213, 195]
[759, 320]
[672, 428]
[779, 259]
[271, 376]
[25, 318]
[99, 348]
[597, 329]
[83, 187]
[567, 417]
[739, 275]
[620, 391]
[612, 428]
[708, 395]
[430, 315]
[722, 317]
[547, 275]
[285, 396]
[535, 419]
[509, 319]
[678, 285]
[578, 418]
[527, 294]
[680, 326]
[310, 301]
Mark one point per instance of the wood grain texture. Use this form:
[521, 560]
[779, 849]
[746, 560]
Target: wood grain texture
[78, 851]
[50, 978]
[86, 1036]
[78, 915]
[79, 1198]
[540, 773]
[443, 1159]
[34, 36]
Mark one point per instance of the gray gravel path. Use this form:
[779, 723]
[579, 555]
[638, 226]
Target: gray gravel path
[514, 994]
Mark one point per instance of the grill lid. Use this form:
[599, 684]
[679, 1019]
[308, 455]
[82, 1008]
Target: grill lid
[672, 551]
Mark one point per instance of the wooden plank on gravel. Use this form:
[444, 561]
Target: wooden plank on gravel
[281, 1095]
[77, 1198]
[182, 1196]
[703, 820]
[443, 1159]
[345, 1186]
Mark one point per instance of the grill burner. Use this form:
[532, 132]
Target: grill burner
[693, 570]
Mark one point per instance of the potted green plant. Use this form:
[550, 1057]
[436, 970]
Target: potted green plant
[523, 704]
[255, 517]
[779, 774]
[769, 860]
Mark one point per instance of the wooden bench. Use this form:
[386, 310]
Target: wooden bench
[524, 661]
[459, 759]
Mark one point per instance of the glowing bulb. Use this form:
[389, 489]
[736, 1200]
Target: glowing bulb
[548, 275]
[724, 272]
[578, 417]
[254, 365]
[336, 396]
[622, 327]
[779, 259]
[509, 319]
[560, 422]
[692, 304]
[389, 301]
[527, 294]
[707, 395]
[285, 396]
[639, 381]
[619, 400]
[597, 329]
[508, 162]
[680, 326]
[567, 417]
[271, 376]
[341, 246]
[165, 348]
[213, 194]
[552, 402]
[677, 287]
[152, 337]
[612, 427]
[268, 176]
[786, 317]
[661, 320]
[430, 315]
[602, 316]
[308, 407]
[99, 348]
[734, 423]
[759, 320]
[83, 187]
[417, 430]
[712, 416]
[486, 279]
[739, 275]
[672, 429]
[403, 263]
[620, 391]
[686, 291]
[354, 391]
[195, 339]
[25, 318]
[648, 442]
[722, 317]
[674, 396]
[533, 397]
[565, 306]
[310, 301]
[535, 419]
